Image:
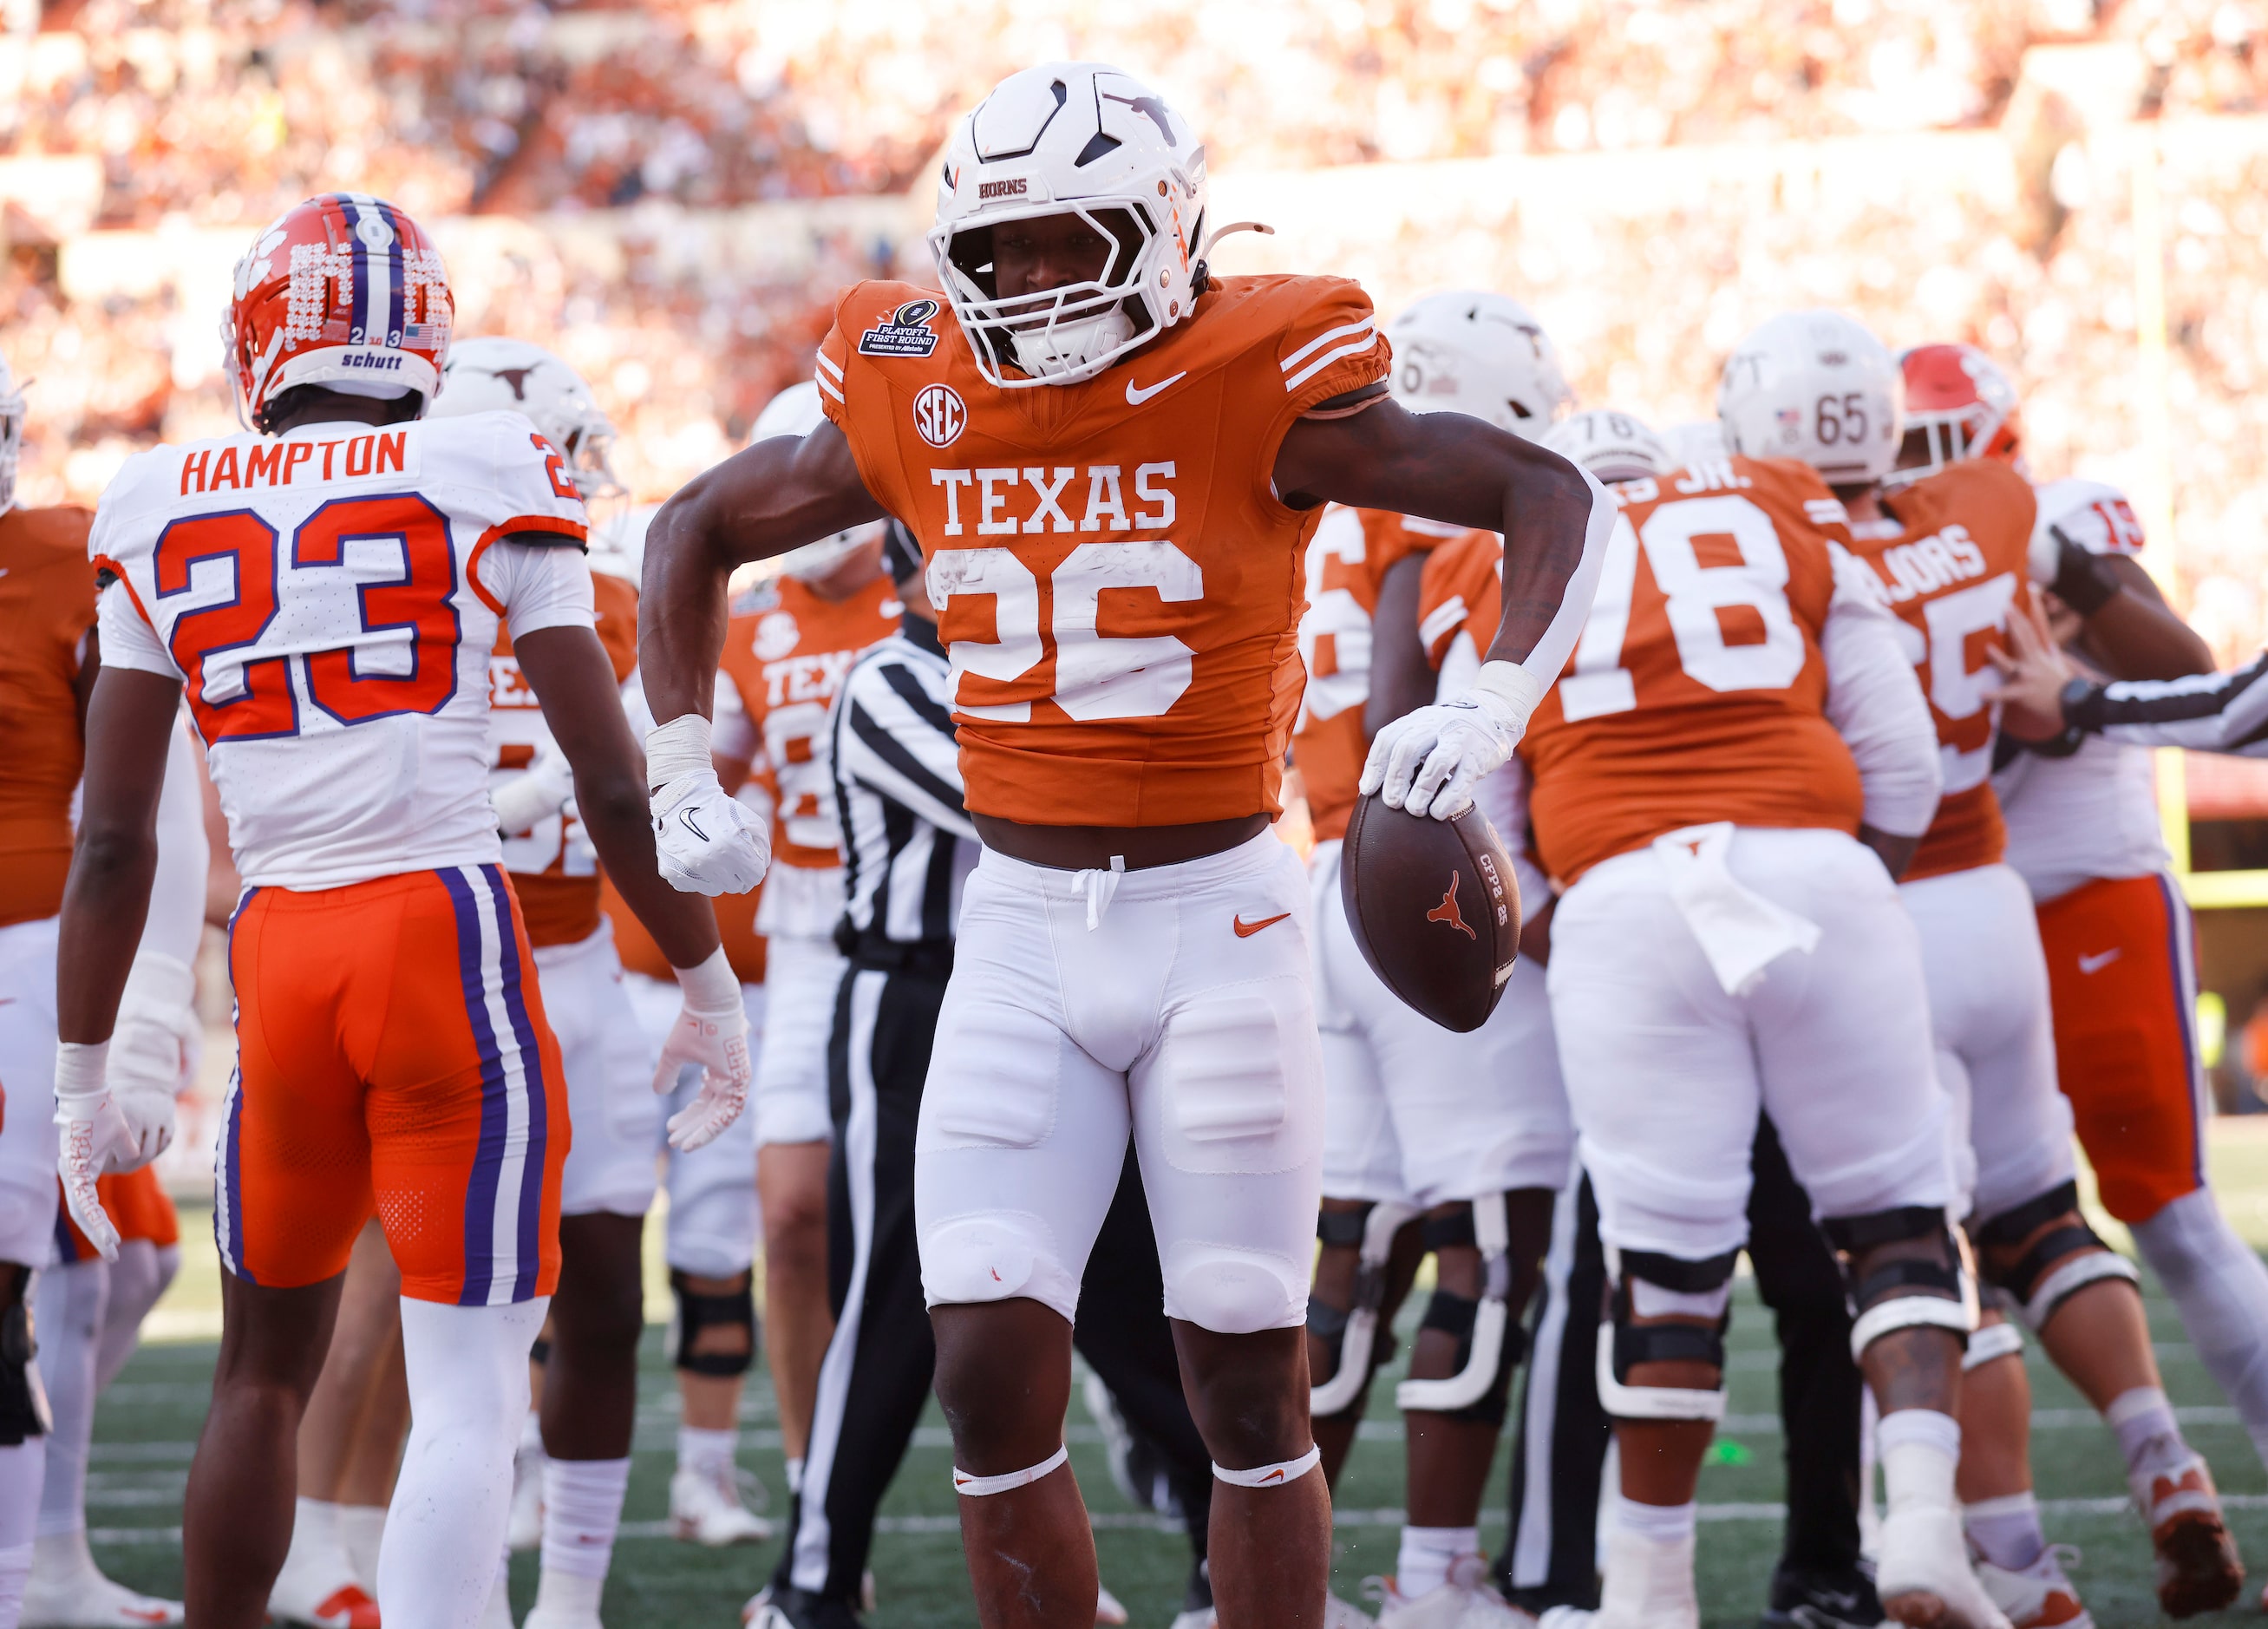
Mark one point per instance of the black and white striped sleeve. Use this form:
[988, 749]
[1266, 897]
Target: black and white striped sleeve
[895, 738]
[2206, 712]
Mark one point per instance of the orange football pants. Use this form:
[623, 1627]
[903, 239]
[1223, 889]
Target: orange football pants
[2122, 974]
[393, 1056]
[137, 1207]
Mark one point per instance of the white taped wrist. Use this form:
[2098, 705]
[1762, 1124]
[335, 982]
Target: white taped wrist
[1519, 690]
[80, 1068]
[679, 746]
[712, 986]
[977, 1487]
[1270, 1476]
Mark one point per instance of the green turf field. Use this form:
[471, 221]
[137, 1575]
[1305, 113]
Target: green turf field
[149, 1421]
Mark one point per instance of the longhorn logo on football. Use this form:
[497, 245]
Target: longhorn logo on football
[1448, 912]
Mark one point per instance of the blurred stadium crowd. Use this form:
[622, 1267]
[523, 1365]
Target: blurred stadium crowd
[1723, 158]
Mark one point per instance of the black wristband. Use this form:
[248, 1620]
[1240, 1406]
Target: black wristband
[2083, 581]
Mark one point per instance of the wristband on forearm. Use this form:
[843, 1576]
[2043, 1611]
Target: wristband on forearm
[679, 746]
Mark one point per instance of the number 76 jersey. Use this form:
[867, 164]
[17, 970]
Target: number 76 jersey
[329, 598]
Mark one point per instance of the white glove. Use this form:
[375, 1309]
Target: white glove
[93, 1133]
[536, 792]
[704, 841]
[153, 1053]
[711, 1030]
[1428, 762]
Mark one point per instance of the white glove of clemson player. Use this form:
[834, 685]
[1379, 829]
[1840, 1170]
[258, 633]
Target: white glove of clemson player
[94, 1134]
[154, 1048]
[1428, 762]
[712, 1031]
[704, 841]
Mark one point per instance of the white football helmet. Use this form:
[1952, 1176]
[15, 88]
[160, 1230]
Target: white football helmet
[1072, 139]
[484, 375]
[11, 434]
[618, 542]
[1466, 351]
[1612, 445]
[1816, 385]
[796, 412]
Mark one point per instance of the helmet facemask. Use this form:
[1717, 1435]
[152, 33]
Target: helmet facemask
[1059, 335]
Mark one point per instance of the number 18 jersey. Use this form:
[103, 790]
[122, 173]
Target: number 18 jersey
[330, 598]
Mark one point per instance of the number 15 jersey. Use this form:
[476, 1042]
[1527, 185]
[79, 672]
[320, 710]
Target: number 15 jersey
[330, 598]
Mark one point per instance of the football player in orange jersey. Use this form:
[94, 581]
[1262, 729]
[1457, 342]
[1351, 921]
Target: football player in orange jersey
[1949, 546]
[1470, 1131]
[1113, 464]
[49, 659]
[1737, 731]
[791, 641]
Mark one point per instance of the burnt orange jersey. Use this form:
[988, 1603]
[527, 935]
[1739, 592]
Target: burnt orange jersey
[1952, 567]
[1119, 586]
[1698, 691]
[553, 869]
[1348, 558]
[47, 606]
[736, 925]
[785, 651]
[1461, 593]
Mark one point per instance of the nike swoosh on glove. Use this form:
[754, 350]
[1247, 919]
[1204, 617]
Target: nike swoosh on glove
[153, 1054]
[1428, 762]
[711, 1030]
[704, 841]
[93, 1134]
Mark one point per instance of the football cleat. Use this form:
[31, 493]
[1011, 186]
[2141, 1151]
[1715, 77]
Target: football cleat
[1109, 1609]
[2198, 1568]
[66, 1591]
[1802, 1598]
[705, 1508]
[2038, 1596]
[344, 1607]
[1343, 1614]
[1463, 1602]
[1923, 1576]
[797, 1609]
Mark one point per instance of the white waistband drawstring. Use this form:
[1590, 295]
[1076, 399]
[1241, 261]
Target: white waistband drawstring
[1101, 887]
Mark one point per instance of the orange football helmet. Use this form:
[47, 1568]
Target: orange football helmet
[1959, 404]
[344, 290]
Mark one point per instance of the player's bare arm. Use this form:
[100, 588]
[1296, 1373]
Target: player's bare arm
[1400, 678]
[2133, 633]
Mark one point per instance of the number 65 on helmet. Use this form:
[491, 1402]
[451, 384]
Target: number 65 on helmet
[1435, 908]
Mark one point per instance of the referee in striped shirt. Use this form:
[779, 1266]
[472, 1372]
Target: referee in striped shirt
[908, 847]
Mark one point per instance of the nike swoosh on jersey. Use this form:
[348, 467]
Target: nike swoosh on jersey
[1135, 395]
[1246, 930]
[2096, 963]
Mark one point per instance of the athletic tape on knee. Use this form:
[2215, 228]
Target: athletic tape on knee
[978, 1487]
[1991, 1342]
[1484, 1341]
[698, 1312]
[1354, 1338]
[1270, 1476]
[1905, 1312]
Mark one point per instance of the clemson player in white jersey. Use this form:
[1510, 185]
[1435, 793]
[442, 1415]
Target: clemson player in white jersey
[1113, 465]
[790, 640]
[1949, 544]
[1469, 1133]
[329, 587]
[1737, 730]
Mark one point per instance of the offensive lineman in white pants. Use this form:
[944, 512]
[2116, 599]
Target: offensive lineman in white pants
[1723, 946]
[1468, 1132]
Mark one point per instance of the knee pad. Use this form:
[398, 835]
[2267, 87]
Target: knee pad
[697, 1313]
[1647, 1284]
[1895, 1295]
[984, 1257]
[1352, 1335]
[23, 1398]
[1489, 1336]
[2039, 1289]
[1231, 1291]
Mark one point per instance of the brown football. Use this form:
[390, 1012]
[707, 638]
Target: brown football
[1434, 907]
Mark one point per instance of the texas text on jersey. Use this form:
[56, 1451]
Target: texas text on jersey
[1696, 692]
[1348, 558]
[1118, 583]
[1953, 569]
[47, 606]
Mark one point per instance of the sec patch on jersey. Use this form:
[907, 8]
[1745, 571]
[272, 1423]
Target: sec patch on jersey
[1435, 908]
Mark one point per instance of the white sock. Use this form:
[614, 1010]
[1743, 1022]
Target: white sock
[138, 1280]
[713, 1452]
[1919, 1448]
[1424, 1564]
[15, 1570]
[582, 1507]
[362, 1529]
[1664, 1524]
[468, 1369]
[23, 1468]
[2147, 1435]
[2006, 1531]
[791, 1470]
[2221, 1289]
[1648, 1578]
[69, 1311]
